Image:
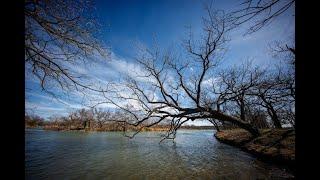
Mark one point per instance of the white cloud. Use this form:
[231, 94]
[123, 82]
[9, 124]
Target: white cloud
[210, 81]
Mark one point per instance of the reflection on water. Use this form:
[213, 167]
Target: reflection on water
[196, 154]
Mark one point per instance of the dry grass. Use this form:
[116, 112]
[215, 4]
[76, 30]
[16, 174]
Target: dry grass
[235, 136]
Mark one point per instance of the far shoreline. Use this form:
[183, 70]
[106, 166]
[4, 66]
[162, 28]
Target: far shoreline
[156, 129]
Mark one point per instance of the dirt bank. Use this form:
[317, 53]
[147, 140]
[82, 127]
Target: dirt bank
[275, 145]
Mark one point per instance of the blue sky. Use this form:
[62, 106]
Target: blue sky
[128, 22]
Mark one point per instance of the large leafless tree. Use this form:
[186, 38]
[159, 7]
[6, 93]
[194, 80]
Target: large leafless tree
[175, 90]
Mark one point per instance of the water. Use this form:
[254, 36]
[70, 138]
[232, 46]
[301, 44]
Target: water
[196, 154]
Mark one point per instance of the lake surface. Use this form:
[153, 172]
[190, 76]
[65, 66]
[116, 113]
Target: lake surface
[196, 154]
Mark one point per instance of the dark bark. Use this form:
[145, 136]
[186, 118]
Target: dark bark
[215, 124]
[242, 109]
[100, 124]
[272, 112]
[240, 123]
[275, 119]
[213, 114]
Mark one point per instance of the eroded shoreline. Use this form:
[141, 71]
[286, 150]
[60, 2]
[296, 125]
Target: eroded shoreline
[273, 145]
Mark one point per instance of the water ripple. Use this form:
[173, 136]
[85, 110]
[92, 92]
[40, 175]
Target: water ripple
[194, 155]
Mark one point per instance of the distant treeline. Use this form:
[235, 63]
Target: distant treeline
[95, 120]
[32, 121]
[196, 127]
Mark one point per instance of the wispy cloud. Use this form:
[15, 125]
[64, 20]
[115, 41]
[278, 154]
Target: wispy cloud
[98, 74]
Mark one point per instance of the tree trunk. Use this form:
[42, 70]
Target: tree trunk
[240, 123]
[100, 124]
[242, 108]
[272, 113]
[242, 112]
[214, 124]
[274, 117]
[276, 121]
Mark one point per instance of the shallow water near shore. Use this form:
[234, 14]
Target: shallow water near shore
[196, 154]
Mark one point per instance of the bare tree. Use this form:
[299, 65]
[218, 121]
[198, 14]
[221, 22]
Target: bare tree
[242, 91]
[101, 116]
[58, 35]
[235, 86]
[75, 120]
[33, 120]
[172, 90]
[285, 77]
[86, 117]
[277, 92]
[274, 94]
